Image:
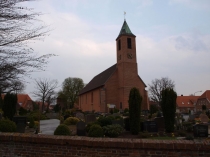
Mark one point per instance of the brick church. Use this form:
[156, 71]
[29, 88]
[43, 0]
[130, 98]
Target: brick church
[112, 86]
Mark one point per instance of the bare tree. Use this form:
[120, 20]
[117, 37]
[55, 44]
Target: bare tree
[156, 87]
[17, 29]
[45, 90]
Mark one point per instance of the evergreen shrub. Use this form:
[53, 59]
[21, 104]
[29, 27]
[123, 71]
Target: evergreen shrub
[71, 121]
[135, 100]
[31, 122]
[62, 129]
[7, 125]
[112, 130]
[104, 121]
[127, 124]
[96, 131]
[87, 128]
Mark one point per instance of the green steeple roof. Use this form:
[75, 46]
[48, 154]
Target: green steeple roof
[125, 30]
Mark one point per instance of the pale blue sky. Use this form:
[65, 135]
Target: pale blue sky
[172, 37]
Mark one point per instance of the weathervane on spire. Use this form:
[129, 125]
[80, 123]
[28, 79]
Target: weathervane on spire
[124, 14]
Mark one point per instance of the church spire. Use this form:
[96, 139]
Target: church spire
[125, 30]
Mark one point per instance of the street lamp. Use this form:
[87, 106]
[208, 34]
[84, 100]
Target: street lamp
[197, 92]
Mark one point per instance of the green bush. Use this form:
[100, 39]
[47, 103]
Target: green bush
[7, 125]
[68, 112]
[36, 116]
[22, 111]
[87, 128]
[112, 130]
[181, 133]
[118, 117]
[189, 137]
[134, 101]
[168, 105]
[127, 124]
[126, 110]
[144, 135]
[95, 131]
[71, 121]
[62, 129]
[31, 123]
[115, 110]
[104, 121]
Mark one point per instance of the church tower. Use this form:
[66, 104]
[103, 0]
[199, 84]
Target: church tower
[126, 64]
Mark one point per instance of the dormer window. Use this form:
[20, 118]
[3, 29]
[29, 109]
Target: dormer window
[129, 43]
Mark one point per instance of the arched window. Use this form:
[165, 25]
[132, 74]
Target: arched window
[129, 43]
[119, 44]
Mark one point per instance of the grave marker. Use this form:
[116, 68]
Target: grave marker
[20, 121]
[200, 130]
[150, 126]
[90, 118]
[80, 116]
[81, 128]
[160, 123]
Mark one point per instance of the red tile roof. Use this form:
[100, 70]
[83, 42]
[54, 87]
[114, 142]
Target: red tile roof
[186, 101]
[206, 94]
[23, 99]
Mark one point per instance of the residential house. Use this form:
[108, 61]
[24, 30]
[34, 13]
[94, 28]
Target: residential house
[204, 99]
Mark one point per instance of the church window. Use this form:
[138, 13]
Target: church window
[129, 43]
[119, 44]
[120, 105]
[92, 97]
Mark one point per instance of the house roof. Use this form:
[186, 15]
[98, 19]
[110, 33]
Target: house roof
[186, 101]
[22, 99]
[125, 30]
[205, 95]
[99, 80]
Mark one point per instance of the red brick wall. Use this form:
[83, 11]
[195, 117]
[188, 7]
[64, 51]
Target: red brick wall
[23, 145]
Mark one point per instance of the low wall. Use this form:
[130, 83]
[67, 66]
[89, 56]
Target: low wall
[25, 145]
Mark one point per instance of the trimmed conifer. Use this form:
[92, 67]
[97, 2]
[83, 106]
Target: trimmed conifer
[135, 100]
[168, 105]
[9, 106]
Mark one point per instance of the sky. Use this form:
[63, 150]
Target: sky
[172, 39]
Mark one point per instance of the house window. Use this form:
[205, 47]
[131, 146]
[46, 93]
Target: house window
[119, 44]
[129, 43]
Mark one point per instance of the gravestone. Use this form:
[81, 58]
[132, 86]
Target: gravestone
[81, 128]
[20, 121]
[150, 126]
[80, 116]
[200, 130]
[90, 118]
[160, 123]
[204, 118]
[119, 121]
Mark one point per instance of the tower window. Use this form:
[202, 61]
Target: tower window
[129, 43]
[119, 44]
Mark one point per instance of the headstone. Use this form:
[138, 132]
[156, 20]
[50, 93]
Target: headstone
[150, 126]
[191, 117]
[80, 116]
[204, 118]
[160, 123]
[20, 121]
[90, 118]
[81, 128]
[120, 122]
[200, 130]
